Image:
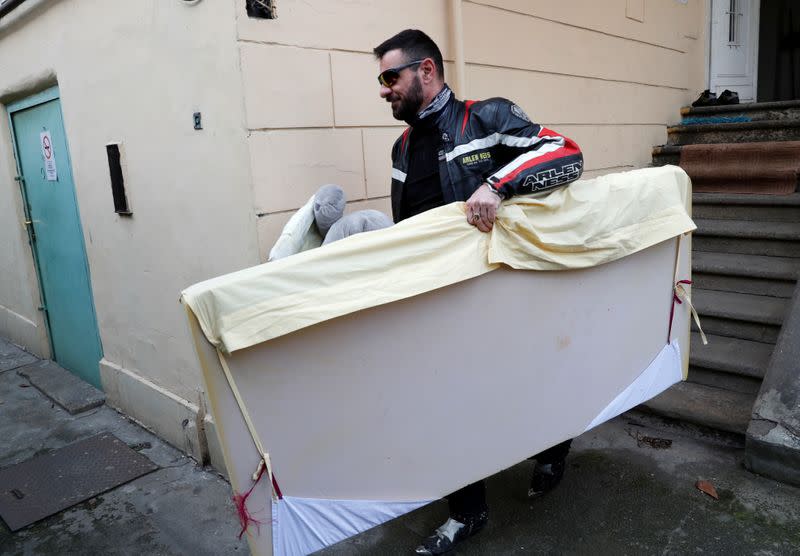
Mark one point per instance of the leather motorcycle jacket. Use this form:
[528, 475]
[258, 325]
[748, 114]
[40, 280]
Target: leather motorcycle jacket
[490, 141]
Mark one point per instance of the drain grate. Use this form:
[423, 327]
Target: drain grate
[52, 482]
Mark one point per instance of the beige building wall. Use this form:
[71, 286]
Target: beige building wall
[134, 73]
[311, 95]
[288, 105]
[608, 74]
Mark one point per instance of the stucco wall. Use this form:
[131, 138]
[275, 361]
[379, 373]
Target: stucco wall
[609, 74]
[20, 321]
[134, 73]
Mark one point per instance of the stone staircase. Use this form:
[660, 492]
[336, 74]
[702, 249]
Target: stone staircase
[746, 260]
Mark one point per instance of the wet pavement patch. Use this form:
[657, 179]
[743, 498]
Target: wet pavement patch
[12, 357]
[49, 483]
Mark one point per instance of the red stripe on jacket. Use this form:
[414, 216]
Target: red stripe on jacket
[467, 104]
[570, 148]
[405, 138]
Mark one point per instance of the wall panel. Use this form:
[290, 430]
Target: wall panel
[542, 45]
[570, 99]
[286, 87]
[355, 25]
[290, 165]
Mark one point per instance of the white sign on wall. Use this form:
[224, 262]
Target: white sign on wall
[49, 156]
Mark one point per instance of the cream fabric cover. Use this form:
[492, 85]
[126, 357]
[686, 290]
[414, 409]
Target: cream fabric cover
[588, 223]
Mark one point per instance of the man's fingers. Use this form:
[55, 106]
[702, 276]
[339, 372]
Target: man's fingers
[479, 222]
[483, 223]
[481, 215]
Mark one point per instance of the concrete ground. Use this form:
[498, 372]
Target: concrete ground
[620, 496]
[178, 509]
[623, 494]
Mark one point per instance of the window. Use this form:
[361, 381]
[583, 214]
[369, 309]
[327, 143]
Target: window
[734, 21]
[261, 9]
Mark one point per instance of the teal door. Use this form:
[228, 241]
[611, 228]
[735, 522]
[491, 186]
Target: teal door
[55, 233]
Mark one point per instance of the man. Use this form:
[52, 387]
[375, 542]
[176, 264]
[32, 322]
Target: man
[481, 152]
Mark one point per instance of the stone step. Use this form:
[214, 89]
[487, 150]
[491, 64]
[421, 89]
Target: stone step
[737, 315]
[704, 405]
[747, 200]
[755, 266]
[742, 284]
[773, 239]
[788, 231]
[666, 154]
[757, 309]
[757, 332]
[752, 111]
[724, 381]
[744, 132]
[762, 208]
[730, 355]
[63, 387]
[746, 246]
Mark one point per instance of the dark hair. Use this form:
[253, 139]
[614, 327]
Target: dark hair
[415, 45]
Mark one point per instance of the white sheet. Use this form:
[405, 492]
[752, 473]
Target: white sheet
[304, 525]
[665, 370]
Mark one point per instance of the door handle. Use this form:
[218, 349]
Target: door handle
[31, 229]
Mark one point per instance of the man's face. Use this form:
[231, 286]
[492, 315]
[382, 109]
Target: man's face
[405, 95]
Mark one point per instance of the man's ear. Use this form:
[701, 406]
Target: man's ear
[428, 71]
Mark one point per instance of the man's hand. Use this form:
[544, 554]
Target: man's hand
[482, 208]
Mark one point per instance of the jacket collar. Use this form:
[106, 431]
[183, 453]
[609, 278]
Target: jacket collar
[433, 113]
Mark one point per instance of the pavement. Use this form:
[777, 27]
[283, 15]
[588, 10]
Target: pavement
[178, 509]
[629, 489]
[622, 496]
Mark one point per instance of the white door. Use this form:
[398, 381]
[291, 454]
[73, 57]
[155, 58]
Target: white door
[734, 47]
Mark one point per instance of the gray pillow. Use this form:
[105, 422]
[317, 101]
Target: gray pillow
[329, 205]
[357, 222]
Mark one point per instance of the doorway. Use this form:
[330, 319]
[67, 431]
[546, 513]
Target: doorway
[779, 51]
[734, 47]
[55, 233]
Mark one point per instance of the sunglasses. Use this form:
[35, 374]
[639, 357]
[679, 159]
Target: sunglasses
[389, 77]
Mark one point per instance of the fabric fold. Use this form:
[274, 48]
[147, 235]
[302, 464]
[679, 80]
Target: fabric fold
[588, 223]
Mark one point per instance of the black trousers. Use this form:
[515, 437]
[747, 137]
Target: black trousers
[470, 501]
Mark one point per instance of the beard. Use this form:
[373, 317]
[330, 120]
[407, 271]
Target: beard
[408, 106]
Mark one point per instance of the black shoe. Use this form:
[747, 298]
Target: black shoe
[728, 97]
[546, 478]
[451, 533]
[706, 98]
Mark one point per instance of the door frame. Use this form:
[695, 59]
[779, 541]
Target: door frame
[754, 23]
[31, 101]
